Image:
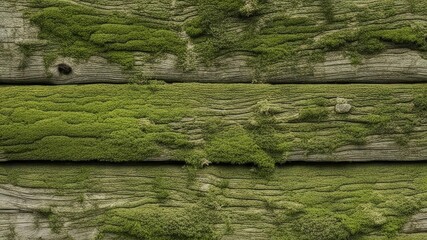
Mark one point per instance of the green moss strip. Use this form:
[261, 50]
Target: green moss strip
[83, 31]
[198, 124]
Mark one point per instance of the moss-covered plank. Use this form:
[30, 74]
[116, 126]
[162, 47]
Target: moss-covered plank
[333, 202]
[200, 124]
[278, 41]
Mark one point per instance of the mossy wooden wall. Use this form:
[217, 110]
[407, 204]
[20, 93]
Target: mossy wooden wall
[255, 131]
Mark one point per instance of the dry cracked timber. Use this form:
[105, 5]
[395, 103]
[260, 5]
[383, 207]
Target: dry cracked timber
[277, 41]
[350, 201]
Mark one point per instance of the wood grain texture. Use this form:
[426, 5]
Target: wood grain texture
[398, 63]
[73, 201]
[278, 123]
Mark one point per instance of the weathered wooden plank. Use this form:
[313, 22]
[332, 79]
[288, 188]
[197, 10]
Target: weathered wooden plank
[197, 123]
[123, 201]
[282, 41]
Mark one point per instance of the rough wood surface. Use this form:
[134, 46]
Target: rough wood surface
[262, 124]
[397, 63]
[73, 201]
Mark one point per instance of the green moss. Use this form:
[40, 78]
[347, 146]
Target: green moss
[12, 177]
[271, 44]
[328, 10]
[410, 36]
[317, 114]
[160, 186]
[373, 40]
[313, 144]
[124, 58]
[264, 130]
[418, 6]
[337, 40]
[402, 140]
[108, 132]
[224, 183]
[235, 145]
[194, 27]
[392, 227]
[267, 137]
[370, 46]
[380, 123]
[321, 223]
[49, 58]
[365, 218]
[318, 225]
[184, 122]
[326, 201]
[420, 104]
[355, 57]
[270, 205]
[250, 8]
[83, 31]
[267, 108]
[160, 223]
[27, 51]
[195, 157]
[390, 120]
[55, 222]
[266, 35]
[354, 134]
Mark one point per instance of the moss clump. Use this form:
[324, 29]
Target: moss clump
[410, 36]
[124, 58]
[391, 120]
[380, 123]
[362, 219]
[420, 104]
[160, 187]
[83, 31]
[235, 145]
[316, 114]
[266, 108]
[328, 10]
[161, 223]
[269, 139]
[372, 40]
[355, 134]
[195, 27]
[272, 43]
[55, 222]
[320, 226]
[264, 129]
[250, 8]
[212, 17]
